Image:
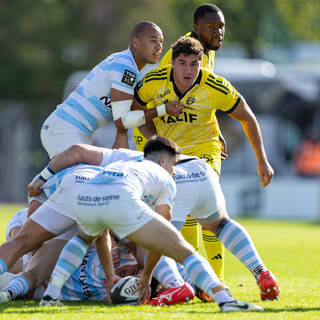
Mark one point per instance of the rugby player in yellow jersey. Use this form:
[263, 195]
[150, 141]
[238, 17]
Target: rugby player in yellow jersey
[195, 129]
[209, 29]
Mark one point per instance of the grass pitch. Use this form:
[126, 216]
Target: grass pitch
[290, 249]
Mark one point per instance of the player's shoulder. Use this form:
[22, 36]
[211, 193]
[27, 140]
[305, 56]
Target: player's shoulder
[216, 83]
[157, 75]
[119, 61]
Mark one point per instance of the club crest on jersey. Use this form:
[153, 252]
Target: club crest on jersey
[190, 100]
[129, 78]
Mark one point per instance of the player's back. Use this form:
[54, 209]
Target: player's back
[145, 178]
[88, 107]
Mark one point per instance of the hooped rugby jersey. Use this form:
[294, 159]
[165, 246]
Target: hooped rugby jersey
[88, 107]
[197, 123]
[88, 281]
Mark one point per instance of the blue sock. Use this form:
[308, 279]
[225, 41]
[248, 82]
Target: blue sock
[69, 260]
[237, 240]
[201, 273]
[167, 273]
[18, 286]
[3, 266]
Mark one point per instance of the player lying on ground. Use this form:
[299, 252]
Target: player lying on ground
[118, 189]
[88, 281]
[198, 191]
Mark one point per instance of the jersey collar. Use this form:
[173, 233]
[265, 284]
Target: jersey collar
[176, 90]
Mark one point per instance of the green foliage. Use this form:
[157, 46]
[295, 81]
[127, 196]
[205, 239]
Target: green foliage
[43, 41]
[290, 249]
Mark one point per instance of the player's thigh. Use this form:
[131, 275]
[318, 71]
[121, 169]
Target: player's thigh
[57, 135]
[51, 220]
[161, 236]
[44, 260]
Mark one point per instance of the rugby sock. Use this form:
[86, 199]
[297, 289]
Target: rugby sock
[215, 253]
[167, 273]
[201, 273]
[237, 240]
[183, 273]
[69, 260]
[3, 266]
[18, 286]
[190, 232]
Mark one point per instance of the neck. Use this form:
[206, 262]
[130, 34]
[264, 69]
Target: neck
[140, 62]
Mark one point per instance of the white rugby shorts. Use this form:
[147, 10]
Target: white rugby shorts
[202, 199]
[110, 206]
[57, 135]
[62, 226]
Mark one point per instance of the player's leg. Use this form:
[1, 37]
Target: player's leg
[69, 260]
[190, 232]
[215, 252]
[236, 239]
[160, 236]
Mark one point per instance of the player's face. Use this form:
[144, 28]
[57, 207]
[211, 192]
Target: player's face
[186, 69]
[150, 45]
[210, 30]
[168, 164]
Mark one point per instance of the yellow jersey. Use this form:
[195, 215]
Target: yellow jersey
[207, 63]
[195, 129]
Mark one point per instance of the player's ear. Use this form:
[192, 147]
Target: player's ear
[135, 42]
[195, 29]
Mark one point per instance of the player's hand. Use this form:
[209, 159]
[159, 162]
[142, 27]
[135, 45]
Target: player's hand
[224, 151]
[174, 108]
[109, 282]
[34, 187]
[143, 289]
[265, 172]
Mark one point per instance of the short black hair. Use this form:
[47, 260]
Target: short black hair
[187, 46]
[140, 28]
[161, 144]
[203, 9]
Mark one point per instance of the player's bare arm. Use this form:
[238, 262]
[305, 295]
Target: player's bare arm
[78, 153]
[152, 259]
[104, 250]
[250, 125]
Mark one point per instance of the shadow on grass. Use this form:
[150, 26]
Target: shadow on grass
[32, 307]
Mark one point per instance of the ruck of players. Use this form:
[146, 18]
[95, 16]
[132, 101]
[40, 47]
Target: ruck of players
[120, 225]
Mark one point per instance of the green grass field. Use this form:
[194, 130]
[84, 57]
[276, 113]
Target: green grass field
[290, 249]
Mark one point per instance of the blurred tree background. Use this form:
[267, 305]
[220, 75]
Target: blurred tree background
[43, 41]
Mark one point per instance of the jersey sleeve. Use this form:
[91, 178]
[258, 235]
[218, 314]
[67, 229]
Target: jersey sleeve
[143, 91]
[18, 220]
[123, 76]
[167, 194]
[166, 59]
[228, 97]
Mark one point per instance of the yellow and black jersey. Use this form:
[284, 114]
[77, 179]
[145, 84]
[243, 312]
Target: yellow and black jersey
[207, 58]
[196, 124]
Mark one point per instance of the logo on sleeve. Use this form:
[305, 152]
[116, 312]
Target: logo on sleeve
[129, 78]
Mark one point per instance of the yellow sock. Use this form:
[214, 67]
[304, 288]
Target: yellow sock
[215, 253]
[190, 232]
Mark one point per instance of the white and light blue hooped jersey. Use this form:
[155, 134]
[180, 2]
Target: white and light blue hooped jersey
[146, 179]
[17, 220]
[88, 107]
[87, 282]
[109, 156]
